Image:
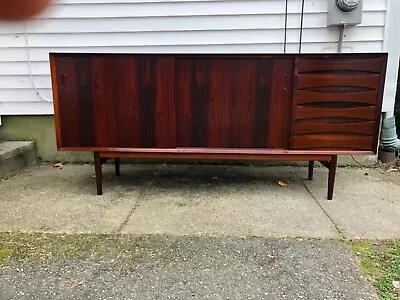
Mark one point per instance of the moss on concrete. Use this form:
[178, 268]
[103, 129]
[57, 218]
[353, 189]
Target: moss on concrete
[24, 248]
[4, 253]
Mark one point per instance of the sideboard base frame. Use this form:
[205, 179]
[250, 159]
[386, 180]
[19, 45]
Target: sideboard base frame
[327, 160]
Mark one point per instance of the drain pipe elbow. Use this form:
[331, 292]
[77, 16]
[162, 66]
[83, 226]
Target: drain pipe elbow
[389, 138]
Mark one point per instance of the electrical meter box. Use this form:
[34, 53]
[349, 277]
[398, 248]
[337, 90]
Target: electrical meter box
[344, 12]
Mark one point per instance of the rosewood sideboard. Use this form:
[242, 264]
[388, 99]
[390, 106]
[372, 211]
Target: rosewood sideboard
[302, 107]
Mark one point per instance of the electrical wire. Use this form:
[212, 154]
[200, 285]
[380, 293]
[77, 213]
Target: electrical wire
[358, 163]
[301, 25]
[286, 25]
[30, 67]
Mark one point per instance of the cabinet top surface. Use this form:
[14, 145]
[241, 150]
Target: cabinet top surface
[228, 55]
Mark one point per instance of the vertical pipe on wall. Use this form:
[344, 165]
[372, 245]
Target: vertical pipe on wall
[340, 41]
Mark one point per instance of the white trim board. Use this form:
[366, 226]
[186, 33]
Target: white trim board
[391, 45]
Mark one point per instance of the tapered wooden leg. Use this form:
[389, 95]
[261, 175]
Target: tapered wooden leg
[310, 170]
[332, 174]
[116, 165]
[99, 173]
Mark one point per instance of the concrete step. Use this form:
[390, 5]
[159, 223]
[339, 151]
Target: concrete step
[16, 155]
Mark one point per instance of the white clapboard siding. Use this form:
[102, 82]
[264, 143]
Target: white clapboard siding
[175, 38]
[168, 26]
[42, 54]
[258, 21]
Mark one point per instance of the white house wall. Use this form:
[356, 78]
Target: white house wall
[392, 46]
[185, 26]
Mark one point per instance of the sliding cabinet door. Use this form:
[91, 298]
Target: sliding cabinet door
[114, 101]
[233, 102]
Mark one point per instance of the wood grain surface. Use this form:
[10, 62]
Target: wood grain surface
[337, 102]
[230, 104]
[318, 102]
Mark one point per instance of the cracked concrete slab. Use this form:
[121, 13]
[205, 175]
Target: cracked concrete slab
[231, 200]
[44, 198]
[195, 199]
[366, 203]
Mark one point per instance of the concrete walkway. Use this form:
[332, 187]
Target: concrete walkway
[209, 231]
[210, 200]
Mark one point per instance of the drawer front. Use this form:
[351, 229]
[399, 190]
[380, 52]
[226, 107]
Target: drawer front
[337, 102]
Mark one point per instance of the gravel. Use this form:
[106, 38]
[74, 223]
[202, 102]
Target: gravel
[188, 267]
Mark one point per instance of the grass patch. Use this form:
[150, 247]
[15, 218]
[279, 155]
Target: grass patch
[380, 263]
